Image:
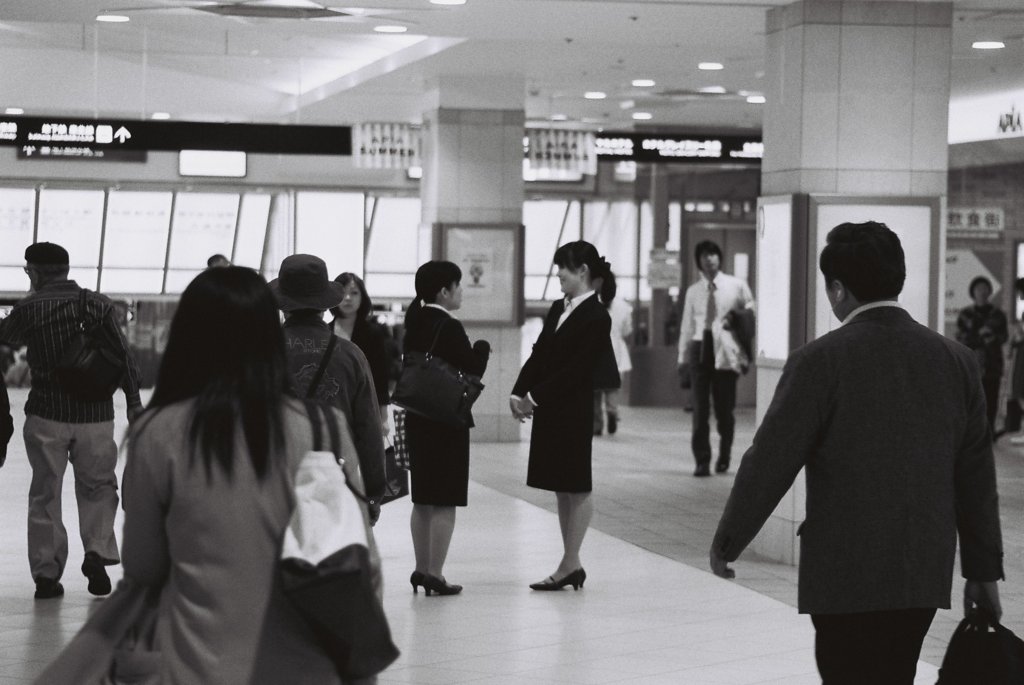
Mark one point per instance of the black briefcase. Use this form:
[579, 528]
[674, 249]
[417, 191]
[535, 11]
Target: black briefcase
[978, 656]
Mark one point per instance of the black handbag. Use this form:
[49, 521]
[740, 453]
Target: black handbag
[326, 570]
[976, 656]
[91, 367]
[395, 476]
[433, 388]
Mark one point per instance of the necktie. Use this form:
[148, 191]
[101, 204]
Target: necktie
[712, 312]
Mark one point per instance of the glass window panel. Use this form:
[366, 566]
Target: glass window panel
[132, 280]
[17, 218]
[178, 279]
[136, 234]
[13, 279]
[280, 234]
[84, 276]
[543, 221]
[393, 238]
[533, 288]
[675, 228]
[204, 225]
[611, 227]
[646, 244]
[73, 219]
[330, 226]
[390, 285]
[252, 230]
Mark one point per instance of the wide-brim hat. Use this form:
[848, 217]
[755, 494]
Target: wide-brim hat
[302, 283]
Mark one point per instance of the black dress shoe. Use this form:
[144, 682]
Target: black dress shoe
[439, 586]
[575, 579]
[416, 580]
[48, 588]
[722, 465]
[702, 470]
[93, 569]
[613, 423]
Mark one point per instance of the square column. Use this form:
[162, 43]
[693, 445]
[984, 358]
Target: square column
[855, 129]
[473, 130]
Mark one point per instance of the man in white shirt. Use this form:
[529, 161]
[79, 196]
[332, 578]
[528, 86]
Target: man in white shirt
[715, 357]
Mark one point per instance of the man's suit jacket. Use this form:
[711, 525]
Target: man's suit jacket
[888, 419]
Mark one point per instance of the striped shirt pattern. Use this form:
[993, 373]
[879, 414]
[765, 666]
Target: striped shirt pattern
[46, 321]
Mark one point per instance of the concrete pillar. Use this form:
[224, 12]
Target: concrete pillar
[473, 175]
[857, 100]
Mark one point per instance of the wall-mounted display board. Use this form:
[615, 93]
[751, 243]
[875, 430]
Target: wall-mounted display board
[676, 147]
[781, 281]
[491, 258]
[173, 136]
[916, 220]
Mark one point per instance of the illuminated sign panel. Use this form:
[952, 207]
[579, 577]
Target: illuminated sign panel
[31, 134]
[642, 147]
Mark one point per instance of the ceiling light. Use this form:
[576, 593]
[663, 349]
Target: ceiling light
[717, 90]
[559, 117]
[710, 66]
[595, 95]
[447, 2]
[755, 99]
[390, 28]
[14, 110]
[988, 45]
[161, 115]
[112, 18]
[642, 83]
[642, 116]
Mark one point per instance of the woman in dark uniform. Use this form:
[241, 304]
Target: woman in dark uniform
[556, 389]
[438, 452]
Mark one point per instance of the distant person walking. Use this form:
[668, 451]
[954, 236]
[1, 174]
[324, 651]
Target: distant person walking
[887, 419]
[556, 389]
[715, 358]
[982, 327]
[61, 428]
[438, 452]
[612, 371]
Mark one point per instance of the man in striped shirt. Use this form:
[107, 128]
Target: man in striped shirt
[60, 427]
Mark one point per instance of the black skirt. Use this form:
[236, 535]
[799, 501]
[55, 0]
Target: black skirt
[438, 462]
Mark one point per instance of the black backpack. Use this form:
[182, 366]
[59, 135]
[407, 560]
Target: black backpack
[92, 366]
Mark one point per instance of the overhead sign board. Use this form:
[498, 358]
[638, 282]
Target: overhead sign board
[665, 148]
[172, 136]
[975, 222]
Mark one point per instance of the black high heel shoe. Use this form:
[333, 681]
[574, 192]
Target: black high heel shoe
[575, 579]
[416, 579]
[433, 584]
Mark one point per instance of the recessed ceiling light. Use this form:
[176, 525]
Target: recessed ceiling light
[755, 99]
[558, 117]
[642, 83]
[642, 116]
[447, 2]
[14, 110]
[595, 95]
[988, 45]
[390, 28]
[112, 18]
[161, 115]
[710, 66]
[718, 90]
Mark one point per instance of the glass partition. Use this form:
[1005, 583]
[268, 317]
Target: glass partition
[548, 224]
[74, 220]
[391, 254]
[135, 242]
[203, 225]
[252, 230]
[17, 223]
[330, 226]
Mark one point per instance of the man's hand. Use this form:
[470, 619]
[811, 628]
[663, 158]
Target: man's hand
[985, 596]
[720, 567]
[133, 413]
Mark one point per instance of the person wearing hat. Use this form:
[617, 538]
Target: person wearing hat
[334, 367]
[61, 428]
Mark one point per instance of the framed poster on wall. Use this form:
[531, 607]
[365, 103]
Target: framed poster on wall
[491, 258]
[916, 220]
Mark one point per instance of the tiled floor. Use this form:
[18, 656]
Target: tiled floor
[649, 613]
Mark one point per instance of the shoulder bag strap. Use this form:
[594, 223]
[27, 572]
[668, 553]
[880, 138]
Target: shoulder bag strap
[313, 411]
[323, 367]
[335, 433]
[437, 335]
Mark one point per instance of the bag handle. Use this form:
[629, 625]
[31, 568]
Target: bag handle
[437, 335]
[323, 367]
[316, 413]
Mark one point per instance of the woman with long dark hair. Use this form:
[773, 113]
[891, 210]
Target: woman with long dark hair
[208, 491]
[352, 322]
[556, 389]
[438, 452]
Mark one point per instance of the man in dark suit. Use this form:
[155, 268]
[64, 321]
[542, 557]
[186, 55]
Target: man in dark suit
[888, 420]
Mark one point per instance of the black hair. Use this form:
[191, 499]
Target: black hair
[1019, 285]
[706, 247]
[979, 280]
[608, 286]
[217, 258]
[867, 258]
[365, 304]
[575, 254]
[241, 377]
[48, 273]
[431, 278]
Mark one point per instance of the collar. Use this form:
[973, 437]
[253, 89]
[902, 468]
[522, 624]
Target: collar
[306, 319]
[870, 305]
[706, 281]
[59, 285]
[437, 306]
[576, 301]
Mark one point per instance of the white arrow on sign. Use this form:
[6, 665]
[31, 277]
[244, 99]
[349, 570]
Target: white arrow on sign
[962, 267]
[122, 134]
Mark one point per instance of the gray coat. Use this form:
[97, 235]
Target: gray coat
[888, 420]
